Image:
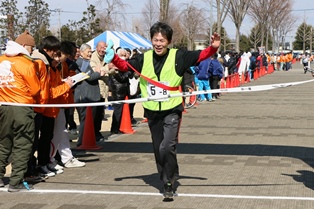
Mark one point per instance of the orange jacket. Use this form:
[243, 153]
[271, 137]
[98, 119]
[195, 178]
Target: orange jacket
[290, 57]
[18, 80]
[268, 58]
[284, 58]
[66, 73]
[56, 90]
[44, 85]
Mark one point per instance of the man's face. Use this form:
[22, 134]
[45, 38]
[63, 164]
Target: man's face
[56, 59]
[63, 57]
[52, 53]
[160, 44]
[101, 48]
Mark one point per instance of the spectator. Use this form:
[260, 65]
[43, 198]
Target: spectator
[216, 73]
[60, 141]
[119, 87]
[72, 66]
[87, 91]
[49, 53]
[17, 130]
[134, 53]
[203, 79]
[97, 58]
[128, 53]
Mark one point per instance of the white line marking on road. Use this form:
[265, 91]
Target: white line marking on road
[159, 194]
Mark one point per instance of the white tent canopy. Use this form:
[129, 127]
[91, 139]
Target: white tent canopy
[122, 39]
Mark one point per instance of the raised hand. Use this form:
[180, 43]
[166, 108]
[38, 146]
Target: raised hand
[215, 40]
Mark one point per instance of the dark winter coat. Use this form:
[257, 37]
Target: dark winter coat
[87, 90]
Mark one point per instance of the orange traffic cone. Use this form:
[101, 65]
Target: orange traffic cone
[89, 140]
[125, 125]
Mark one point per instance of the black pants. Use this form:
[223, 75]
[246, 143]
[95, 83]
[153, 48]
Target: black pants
[164, 133]
[98, 119]
[69, 118]
[131, 105]
[46, 135]
[116, 118]
[32, 163]
[213, 81]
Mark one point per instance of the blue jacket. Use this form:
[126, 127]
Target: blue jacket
[215, 68]
[202, 69]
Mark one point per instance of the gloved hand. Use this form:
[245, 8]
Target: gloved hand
[109, 52]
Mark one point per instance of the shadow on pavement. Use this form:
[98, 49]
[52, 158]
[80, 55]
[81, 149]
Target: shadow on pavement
[151, 180]
[218, 149]
[305, 177]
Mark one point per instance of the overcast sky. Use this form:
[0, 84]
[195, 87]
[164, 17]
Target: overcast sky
[73, 11]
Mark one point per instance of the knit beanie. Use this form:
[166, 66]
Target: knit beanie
[25, 39]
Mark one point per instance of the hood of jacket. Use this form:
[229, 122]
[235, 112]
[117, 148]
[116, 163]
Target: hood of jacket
[37, 55]
[13, 49]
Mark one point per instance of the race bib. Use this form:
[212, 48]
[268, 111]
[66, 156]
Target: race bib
[155, 91]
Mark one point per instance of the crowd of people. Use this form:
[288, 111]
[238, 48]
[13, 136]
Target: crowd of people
[43, 76]
[36, 140]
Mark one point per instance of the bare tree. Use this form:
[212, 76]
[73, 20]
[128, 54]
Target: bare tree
[150, 14]
[164, 8]
[270, 14]
[287, 27]
[111, 14]
[238, 10]
[280, 11]
[179, 37]
[192, 19]
[260, 12]
[222, 7]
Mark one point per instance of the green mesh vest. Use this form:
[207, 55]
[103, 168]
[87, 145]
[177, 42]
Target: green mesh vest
[168, 76]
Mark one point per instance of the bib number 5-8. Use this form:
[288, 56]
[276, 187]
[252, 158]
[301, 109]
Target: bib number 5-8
[155, 91]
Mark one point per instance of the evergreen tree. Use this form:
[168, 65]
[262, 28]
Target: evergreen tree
[255, 37]
[245, 44]
[8, 8]
[67, 33]
[86, 29]
[37, 19]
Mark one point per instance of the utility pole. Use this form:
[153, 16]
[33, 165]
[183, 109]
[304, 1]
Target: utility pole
[59, 21]
[89, 19]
